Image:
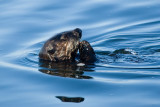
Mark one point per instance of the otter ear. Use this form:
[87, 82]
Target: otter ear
[78, 30]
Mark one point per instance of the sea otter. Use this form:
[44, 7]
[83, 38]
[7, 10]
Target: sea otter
[62, 47]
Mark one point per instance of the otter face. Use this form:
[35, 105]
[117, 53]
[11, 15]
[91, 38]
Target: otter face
[87, 53]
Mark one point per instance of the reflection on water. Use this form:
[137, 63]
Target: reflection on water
[70, 99]
[64, 69]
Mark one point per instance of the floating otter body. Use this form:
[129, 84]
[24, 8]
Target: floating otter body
[61, 47]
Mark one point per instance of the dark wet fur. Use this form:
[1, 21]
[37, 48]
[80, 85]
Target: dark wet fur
[87, 54]
[62, 47]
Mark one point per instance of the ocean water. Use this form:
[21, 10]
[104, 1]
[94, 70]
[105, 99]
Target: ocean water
[125, 35]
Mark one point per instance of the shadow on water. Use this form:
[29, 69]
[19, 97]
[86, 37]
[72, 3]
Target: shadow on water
[70, 99]
[64, 69]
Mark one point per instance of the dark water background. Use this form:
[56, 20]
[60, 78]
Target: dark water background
[124, 80]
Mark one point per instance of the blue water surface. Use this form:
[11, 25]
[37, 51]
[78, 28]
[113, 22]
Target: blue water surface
[121, 80]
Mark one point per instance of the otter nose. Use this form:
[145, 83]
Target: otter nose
[79, 31]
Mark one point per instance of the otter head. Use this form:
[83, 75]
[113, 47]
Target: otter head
[61, 47]
[87, 53]
[68, 44]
